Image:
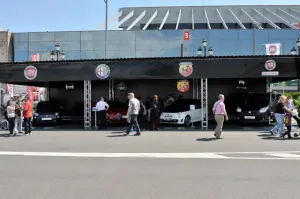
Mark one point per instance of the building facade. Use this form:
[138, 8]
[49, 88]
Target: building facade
[158, 32]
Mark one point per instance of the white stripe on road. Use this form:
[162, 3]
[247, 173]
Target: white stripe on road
[278, 156]
[284, 155]
[116, 155]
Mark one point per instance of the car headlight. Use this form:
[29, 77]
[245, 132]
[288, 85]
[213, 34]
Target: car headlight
[56, 114]
[238, 110]
[36, 114]
[179, 114]
[263, 110]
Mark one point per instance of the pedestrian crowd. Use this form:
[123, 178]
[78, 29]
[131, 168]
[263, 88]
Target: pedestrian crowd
[19, 112]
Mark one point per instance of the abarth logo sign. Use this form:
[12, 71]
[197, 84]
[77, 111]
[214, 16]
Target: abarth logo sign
[102, 71]
[270, 65]
[185, 68]
[30, 72]
[183, 86]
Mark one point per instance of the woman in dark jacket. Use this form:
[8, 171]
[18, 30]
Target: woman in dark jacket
[155, 107]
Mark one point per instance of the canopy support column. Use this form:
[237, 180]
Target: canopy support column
[87, 104]
[204, 97]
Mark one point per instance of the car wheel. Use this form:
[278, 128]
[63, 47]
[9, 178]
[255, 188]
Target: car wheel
[187, 121]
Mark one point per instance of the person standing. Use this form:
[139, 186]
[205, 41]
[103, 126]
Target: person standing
[18, 119]
[220, 114]
[132, 114]
[142, 117]
[280, 109]
[155, 112]
[11, 116]
[27, 114]
[102, 108]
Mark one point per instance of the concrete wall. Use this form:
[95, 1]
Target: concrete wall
[6, 47]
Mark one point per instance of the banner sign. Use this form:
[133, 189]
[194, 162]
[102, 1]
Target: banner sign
[186, 35]
[35, 57]
[10, 89]
[273, 49]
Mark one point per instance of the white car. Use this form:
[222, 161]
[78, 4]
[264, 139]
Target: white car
[184, 111]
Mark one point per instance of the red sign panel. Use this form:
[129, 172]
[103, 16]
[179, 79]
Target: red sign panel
[35, 57]
[186, 35]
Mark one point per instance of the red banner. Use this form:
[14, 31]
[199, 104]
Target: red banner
[30, 93]
[10, 89]
[186, 35]
[35, 57]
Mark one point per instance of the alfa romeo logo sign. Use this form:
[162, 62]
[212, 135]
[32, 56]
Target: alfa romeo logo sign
[102, 71]
[30, 72]
[270, 65]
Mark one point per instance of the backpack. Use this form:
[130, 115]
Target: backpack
[272, 106]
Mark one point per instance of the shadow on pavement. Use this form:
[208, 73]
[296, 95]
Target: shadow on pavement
[7, 135]
[206, 139]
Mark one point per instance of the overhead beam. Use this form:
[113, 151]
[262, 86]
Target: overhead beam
[207, 20]
[137, 20]
[150, 20]
[164, 20]
[296, 18]
[270, 22]
[125, 18]
[223, 21]
[282, 19]
[193, 20]
[237, 19]
[114, 18]
[178, 19]
[296, 11]
[257, 24]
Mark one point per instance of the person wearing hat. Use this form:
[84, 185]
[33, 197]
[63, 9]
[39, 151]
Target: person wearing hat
[155, 112]
[27, 114]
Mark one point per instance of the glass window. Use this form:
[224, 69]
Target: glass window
[21, 37]
[21, 46]
[120, 45]
[41, 46]
[72, 45]
[66, 36]
[128, 35]
[41, 36]
[120, 54]
[93, 35]
[92, 45]
[20, 56]
[114, 35]
[92, 54]
[73, 54]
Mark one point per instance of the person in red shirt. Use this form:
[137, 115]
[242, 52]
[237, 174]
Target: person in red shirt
[27, 114]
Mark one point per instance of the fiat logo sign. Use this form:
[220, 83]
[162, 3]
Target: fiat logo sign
[30, 72]
[270, 65]
[272, 49]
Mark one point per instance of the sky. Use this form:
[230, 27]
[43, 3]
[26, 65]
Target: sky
[63, 15]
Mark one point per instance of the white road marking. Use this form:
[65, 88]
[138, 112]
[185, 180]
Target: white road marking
[284, 155]
[278, 156]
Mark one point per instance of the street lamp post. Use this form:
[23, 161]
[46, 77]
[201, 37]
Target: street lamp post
[204, 46]
[57, 54]
[297, 48]
[106, 20]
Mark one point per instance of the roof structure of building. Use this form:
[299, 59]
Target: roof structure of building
[210, 17]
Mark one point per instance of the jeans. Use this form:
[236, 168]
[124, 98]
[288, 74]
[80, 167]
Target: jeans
[18, 124]
[27, 124]
[11, 122]
[133, 124]
[279, 123]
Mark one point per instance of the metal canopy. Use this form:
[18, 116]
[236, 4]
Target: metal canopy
[208, 17]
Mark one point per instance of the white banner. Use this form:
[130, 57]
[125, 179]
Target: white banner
[273, 49]
[10, 89]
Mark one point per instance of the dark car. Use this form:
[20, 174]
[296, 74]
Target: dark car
[46, 112]
[253, 107]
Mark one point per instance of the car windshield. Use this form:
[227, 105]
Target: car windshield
[256, 101]
[180, 106]
[46, 107]
[115, 104]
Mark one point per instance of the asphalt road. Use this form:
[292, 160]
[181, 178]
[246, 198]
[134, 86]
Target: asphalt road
[105, 165]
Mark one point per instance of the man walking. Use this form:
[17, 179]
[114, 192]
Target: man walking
[18, 119]
[101, 108]
[132, 114]
[27, 113]
[220, 114]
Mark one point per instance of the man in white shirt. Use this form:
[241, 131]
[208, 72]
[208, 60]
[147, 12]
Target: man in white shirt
[132, 114]
[101, 108]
